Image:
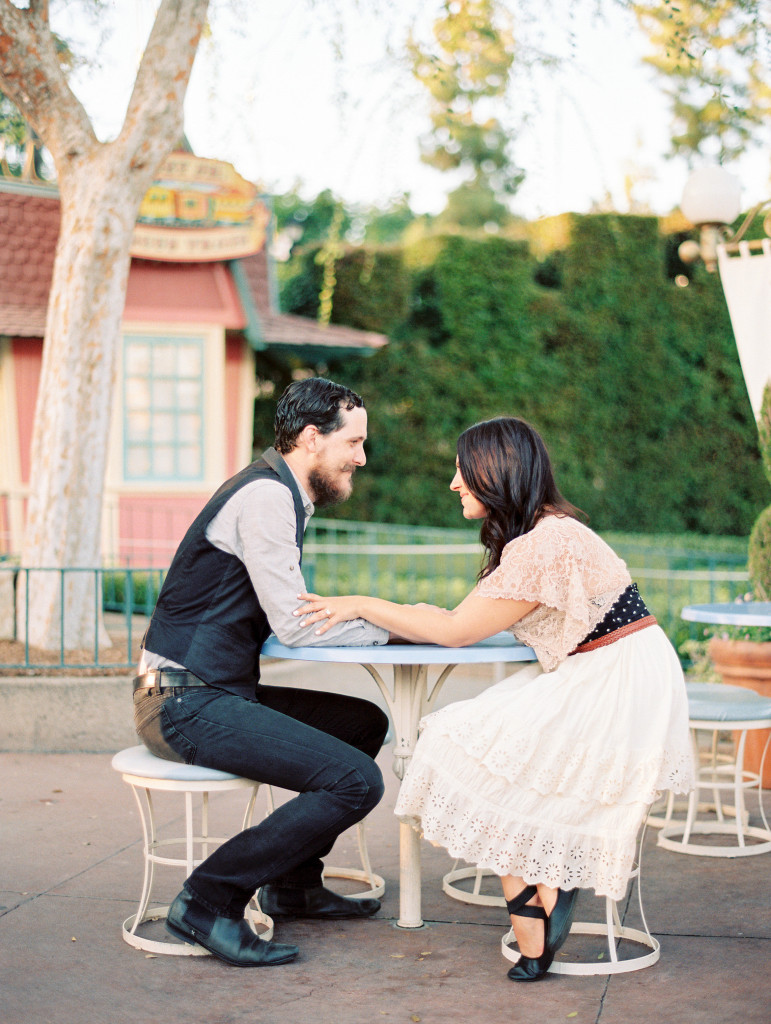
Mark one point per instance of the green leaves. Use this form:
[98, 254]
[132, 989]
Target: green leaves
[634, 383]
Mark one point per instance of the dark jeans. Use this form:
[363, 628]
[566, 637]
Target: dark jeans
[320, 745]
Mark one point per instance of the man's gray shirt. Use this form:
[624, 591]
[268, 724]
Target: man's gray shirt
[258, 525]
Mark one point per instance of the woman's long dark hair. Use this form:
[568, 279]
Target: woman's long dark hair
[505, 465]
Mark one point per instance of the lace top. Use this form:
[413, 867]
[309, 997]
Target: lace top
[574, 575]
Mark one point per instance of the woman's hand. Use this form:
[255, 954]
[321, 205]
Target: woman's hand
[326, 612]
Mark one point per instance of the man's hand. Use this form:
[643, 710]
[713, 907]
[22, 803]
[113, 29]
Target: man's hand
[326, 611]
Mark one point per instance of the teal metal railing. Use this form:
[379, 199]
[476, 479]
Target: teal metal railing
[400, 563]
[112, 615]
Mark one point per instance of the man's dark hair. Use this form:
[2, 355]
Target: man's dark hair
[315, 401]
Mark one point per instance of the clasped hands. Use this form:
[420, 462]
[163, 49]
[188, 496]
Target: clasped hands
[326, 612]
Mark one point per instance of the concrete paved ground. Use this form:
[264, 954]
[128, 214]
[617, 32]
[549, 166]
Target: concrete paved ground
[70, 873]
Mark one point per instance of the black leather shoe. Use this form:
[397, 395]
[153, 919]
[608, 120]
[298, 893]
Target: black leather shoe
[560, 919]
[276, 901]
[531, 968]
[231, 940]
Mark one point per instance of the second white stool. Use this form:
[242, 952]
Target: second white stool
[716, 707]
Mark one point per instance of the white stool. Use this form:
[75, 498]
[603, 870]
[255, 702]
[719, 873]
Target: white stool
[613, 930]
[146, 773]
[717, 707]
[475, 895]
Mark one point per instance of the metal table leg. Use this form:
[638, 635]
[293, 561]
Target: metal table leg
[408, 701]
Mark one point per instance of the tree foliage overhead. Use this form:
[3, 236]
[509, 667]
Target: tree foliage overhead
[715, 59]
[19, 143]
[465, 69]
[634, 382]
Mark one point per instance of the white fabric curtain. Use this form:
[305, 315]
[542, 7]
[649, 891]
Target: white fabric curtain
[746, 279]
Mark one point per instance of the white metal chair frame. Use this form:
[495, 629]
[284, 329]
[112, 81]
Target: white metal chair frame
[612, 928]
[718, 777]
[207, 781]
[212, 782]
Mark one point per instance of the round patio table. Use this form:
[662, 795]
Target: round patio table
[730, 613]
[409, 697]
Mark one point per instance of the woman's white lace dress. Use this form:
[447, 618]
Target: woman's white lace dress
[548, 774]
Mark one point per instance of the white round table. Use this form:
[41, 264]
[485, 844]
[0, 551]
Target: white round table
[730, 613]
[409, 698]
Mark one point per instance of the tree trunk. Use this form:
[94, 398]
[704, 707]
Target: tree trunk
[72, 419]
[101, 186]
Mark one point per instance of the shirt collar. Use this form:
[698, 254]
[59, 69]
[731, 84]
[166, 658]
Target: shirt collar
[308, 505]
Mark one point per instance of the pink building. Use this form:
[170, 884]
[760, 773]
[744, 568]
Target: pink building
[201, 301]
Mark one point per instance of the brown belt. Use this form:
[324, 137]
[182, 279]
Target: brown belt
[617, 634]
[161, 680]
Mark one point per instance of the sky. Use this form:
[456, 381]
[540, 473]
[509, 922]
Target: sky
[314, 94]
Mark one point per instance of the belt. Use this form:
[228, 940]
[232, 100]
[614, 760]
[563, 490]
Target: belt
[164, 680]
[628, 614]
[616, 634]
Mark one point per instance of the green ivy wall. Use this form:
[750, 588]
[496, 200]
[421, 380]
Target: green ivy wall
[634, 382]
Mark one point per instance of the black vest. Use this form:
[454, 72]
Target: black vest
[208, 618]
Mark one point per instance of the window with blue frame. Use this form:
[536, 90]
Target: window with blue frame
[163, 408]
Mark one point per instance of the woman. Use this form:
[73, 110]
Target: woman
[544, 778]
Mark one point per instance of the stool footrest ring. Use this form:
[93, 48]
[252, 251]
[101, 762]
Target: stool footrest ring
[375, 883]
[261, 924]
[479, 898]
[605, 965]
[668, 841]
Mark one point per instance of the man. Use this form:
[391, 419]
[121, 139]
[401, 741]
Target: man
[235, 577]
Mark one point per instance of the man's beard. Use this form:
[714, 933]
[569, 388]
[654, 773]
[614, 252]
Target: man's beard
[326, 491]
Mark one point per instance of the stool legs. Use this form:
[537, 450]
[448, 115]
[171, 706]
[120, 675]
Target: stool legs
[613, 930]
[718, 776]
[152, 843]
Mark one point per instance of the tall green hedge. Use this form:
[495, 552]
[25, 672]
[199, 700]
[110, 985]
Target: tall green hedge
[634, 382]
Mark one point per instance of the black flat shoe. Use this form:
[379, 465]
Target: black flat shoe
[318, 902]
[560, 919]
[231, 940]
[530, 968]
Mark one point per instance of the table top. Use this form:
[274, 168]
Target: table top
[501, 647]
[734, 613]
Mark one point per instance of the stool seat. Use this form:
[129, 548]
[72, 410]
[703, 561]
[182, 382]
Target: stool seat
[719, 702]
[139, 761]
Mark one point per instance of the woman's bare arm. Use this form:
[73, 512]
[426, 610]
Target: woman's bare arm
[474, 619]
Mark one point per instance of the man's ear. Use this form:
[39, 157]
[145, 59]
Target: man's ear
[308, 438]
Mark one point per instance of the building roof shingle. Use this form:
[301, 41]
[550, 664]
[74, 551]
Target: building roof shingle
[29, 228]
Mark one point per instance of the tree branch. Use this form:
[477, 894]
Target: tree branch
[155, 110]
[32, 78]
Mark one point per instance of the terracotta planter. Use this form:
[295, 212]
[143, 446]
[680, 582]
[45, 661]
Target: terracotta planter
[747, 663]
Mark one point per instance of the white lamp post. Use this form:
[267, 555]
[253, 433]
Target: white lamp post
[711, 201]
